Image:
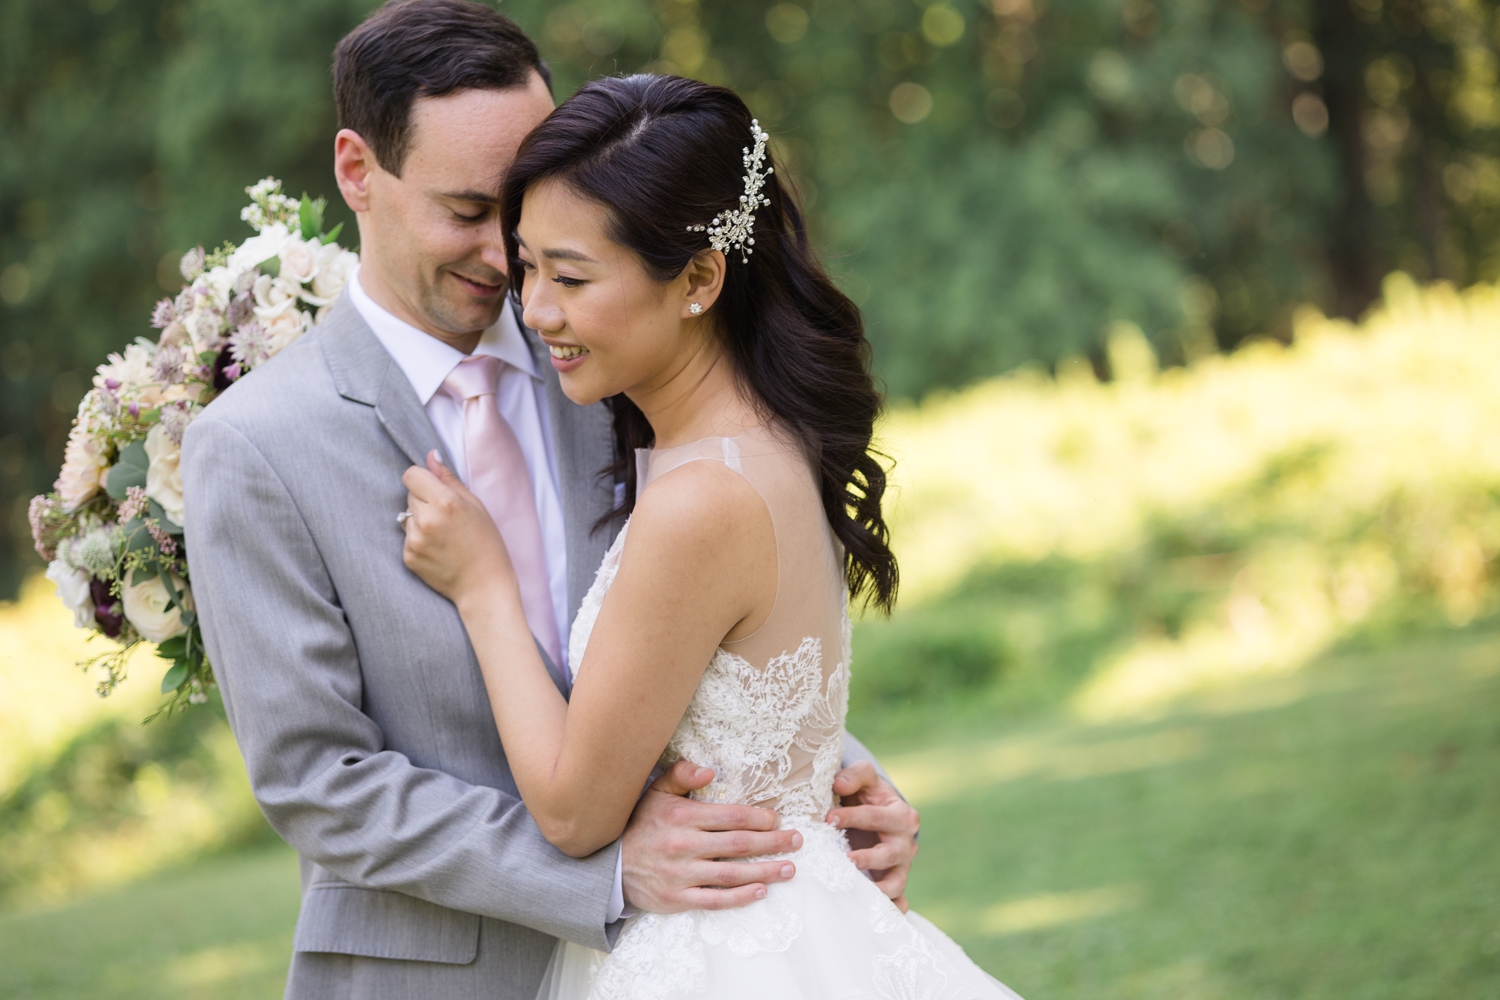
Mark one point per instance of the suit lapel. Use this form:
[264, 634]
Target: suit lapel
[365, 373]
[583, 441]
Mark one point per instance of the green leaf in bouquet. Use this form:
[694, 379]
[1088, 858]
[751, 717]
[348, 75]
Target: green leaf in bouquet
[129, 471]
[310, 216]
[137, 538]
[174, 677]
[174, 648]
[271, 266]
[329, 237]
[162, 519]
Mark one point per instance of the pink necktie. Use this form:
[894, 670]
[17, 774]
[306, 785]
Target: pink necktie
[498, 476]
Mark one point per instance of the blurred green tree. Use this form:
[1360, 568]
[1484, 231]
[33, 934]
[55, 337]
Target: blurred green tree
[995, 182]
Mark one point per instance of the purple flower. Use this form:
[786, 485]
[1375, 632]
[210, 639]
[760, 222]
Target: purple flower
[192, 263]
[241, 310]
[167, 367]
[47, 516]
[108, 612]
[164, 541]
[250, 345]
[134, 505]
[163, 315]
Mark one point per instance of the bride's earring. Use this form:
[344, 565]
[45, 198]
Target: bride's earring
[694, 308]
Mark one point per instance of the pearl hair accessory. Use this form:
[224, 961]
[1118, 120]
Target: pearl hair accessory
[695, 308]
[733, 230]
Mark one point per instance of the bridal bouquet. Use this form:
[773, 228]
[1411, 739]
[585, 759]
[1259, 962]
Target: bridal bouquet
[112, 529]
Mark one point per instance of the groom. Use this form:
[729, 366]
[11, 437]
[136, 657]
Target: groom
[351, 687]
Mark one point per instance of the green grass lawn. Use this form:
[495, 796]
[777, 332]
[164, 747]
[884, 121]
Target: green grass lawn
[1325, 835]
[221, 929]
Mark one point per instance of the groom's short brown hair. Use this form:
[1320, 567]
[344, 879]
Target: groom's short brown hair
[423, 48]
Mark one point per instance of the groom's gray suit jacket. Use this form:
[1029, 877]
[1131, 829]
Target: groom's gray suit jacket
[352, 688]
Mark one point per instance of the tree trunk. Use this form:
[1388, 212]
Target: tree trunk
[1354, 263]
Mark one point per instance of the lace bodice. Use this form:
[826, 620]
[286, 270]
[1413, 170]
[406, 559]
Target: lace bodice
[768, 715]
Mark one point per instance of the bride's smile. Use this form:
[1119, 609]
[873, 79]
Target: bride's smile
[610, 325]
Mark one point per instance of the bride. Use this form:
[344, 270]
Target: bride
[666, 265]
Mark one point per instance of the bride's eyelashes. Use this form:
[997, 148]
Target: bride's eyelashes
[562, 279]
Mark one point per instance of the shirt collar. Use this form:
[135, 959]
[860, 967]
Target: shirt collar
[427, 361]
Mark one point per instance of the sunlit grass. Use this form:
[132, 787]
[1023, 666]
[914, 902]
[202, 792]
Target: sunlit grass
[1236, 517]
[1328, 835]
[88, 797]
[44, 699]
[1323, 835]
[221, 930]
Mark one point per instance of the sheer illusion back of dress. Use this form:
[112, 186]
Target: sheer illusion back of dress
[768, 717]
[769, 713]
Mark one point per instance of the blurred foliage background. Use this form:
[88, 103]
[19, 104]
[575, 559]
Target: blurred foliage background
[995, 182]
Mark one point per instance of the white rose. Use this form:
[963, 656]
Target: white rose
[146, 608]
[164, 474]
[83, 468]
[73, 589]
[274, 296]
[299, 260]
[335, 266]
[258, 249]
[219, 284]
[284, 328]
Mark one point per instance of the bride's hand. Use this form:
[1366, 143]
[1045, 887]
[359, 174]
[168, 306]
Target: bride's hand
[451, 541]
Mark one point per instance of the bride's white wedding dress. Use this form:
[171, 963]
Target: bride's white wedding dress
[768, 717]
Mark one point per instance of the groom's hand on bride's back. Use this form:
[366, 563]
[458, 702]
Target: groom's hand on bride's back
[881, 827]
[675, 848]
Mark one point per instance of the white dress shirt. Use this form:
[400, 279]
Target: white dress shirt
[521, 399]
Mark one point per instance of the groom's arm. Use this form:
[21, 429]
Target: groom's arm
[289, 670]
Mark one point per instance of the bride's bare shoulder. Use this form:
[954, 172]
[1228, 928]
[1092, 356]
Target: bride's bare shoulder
[702, 513]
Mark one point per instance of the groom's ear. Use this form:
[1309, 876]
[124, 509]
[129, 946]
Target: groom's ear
[353, 163]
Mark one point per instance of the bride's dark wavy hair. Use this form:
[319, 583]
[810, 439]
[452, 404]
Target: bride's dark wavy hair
[663, 154]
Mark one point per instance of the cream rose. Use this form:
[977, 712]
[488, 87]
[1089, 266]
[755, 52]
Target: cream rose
[284, 328]
[73, 590]
[146, 608]
[299, 260]
[335, 267]
[164, 474]
[83, 468]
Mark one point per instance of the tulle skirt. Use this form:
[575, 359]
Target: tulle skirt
[828, 933]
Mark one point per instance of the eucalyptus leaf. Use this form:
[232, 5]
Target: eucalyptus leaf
[167, 525]
[129, 470]
[174, 677]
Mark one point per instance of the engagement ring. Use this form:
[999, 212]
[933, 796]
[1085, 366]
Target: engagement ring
[401, 518]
